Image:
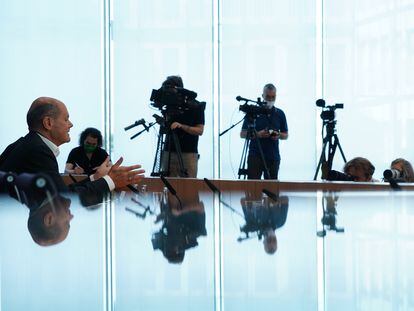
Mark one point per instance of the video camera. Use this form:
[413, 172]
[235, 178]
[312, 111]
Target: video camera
[253, 110]
[170, 97]
[328, 113]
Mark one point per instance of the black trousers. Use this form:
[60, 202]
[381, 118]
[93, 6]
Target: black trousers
[255, 168]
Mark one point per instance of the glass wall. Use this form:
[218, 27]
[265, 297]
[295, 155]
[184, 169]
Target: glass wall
[153, 40]
[56, 49]
[52, 49]
[270, 42]
[369, 47]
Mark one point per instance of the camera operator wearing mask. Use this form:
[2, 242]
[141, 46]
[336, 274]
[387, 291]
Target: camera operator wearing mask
[270, 128]
[188, 126]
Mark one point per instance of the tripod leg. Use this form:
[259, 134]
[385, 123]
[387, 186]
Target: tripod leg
[259, 145]
[183, 171]
[157, 166]
[322, 159]
[243, 160]
[340, 148]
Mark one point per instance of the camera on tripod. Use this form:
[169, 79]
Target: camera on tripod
[328, 113]
[175, 98]
[253, 110]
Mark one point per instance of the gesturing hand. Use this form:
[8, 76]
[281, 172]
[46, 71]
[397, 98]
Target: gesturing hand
[102, 169]
[125, 175]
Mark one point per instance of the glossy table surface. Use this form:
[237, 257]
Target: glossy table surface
[241, 250]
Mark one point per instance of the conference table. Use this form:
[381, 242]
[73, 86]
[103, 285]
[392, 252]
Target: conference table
[215, 245]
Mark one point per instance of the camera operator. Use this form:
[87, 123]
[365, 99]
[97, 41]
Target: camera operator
[360, 169]
[270, 128]
[188, 126]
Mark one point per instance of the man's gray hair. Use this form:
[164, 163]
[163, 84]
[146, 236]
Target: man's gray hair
[269, 87]
[41, 107]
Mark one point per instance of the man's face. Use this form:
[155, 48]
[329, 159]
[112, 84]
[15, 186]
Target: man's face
[358, 174]
[269, 95]
[61, 126]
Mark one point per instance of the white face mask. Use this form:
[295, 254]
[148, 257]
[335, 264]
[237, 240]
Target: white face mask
[270, 104]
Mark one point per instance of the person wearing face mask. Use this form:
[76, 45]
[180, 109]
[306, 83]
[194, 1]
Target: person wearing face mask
[89, 155]
[270, 129]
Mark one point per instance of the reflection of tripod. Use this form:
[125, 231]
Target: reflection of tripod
[329, 215]
[251, 134]
[166, 138]
[332, 141]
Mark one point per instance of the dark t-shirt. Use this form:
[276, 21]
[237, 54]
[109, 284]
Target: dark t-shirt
[78, 157]
[276, 120]
[188, 142]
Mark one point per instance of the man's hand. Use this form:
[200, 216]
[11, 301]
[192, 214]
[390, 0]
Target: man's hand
[176, 125]
[78, 170]
[103, 169]
[263, 134]
[274, 135]
[125, 175]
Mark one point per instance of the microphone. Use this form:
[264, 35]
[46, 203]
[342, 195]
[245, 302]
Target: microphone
[171, 189]
[136, 123]
[239, 98]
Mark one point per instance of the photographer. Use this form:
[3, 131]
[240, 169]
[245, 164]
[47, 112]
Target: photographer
[403, 169]
[360, 169]
[270, 128]
[188, 125]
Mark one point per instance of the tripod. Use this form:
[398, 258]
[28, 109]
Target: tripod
[331, 141]
[166, 137]
[251, 134]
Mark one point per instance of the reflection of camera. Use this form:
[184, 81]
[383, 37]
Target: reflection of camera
[254, 110]
[339, 176]
[328, 114]
[171, 97]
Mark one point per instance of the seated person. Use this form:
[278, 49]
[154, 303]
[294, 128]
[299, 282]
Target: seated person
[360, 169]
[405, 170]
[49, 126]
[86, 158]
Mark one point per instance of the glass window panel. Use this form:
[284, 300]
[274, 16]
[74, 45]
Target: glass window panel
[152, 40]
[50, 49]
[270, 42]
[368, 67]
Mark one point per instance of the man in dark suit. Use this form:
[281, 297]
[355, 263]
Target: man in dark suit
[49, 125]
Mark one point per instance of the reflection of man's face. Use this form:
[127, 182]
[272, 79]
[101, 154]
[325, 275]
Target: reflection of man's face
[50, 224]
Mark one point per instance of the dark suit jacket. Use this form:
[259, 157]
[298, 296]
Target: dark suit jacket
[30, 154]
